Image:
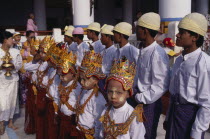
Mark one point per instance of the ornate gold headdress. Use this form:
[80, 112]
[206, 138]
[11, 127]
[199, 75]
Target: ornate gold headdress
[123, 71]
[54, 54]
[91, 65]
[35, 43]
[68, 61]
[46, 43]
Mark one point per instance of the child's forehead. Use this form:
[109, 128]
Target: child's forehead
[114, 84]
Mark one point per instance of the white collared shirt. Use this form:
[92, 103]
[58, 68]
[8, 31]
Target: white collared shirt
[71, 47]
[120, 115]
[73, 96]
[190, 79]
[92, 111]
[16, 60]
[129, 51]
[108, 57]
[98, 46]
[80, 50]
[152, 74]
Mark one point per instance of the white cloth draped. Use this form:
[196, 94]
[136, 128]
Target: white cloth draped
[9, 86]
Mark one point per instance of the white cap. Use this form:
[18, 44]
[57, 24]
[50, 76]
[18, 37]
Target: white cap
[123, 28]
[68, 31]
[94, 26]
[150, 20]
[107, 29]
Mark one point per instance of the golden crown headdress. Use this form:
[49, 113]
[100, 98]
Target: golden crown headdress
[46, 43]
[54, 54]
[123, 71]
[68, 61]
[35, 43]
[92, 64]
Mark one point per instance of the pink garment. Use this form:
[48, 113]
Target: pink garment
[31, 26]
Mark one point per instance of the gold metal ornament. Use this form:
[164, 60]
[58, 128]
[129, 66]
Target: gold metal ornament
[123, 71]
[7, 64]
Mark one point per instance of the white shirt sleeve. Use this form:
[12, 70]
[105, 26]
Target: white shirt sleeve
[202, 119]
[160, 81]
[17, 63]
[137, 130]
[98, 109]
[31, 67]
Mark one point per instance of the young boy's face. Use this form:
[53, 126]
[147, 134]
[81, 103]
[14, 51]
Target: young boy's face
[89, 34]
[87, 83]
[67, 38]
[42, 54]
[104, 39]
[65, 78]
[17, 38]
[116, 94]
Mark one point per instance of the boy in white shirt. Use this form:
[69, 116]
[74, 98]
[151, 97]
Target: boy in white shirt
[90, 102]
[120, 120]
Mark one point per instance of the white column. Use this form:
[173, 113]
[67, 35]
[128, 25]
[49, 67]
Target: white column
[40, 14]
[127, 11]
[174, 10]
[202, 6]
[57, 34]
[81, 13]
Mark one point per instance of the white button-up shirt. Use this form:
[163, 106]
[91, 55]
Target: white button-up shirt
[152, 74]
[191, 79]
[120, 115]
[129, 51]
[92, 111]
[98, 46]
[73, 96]
[71, 47]
[79, 50]
[108, 57]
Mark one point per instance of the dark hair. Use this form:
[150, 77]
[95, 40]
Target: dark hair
[29, 32]
[152, 33]
[5, 35]
[29, 15]
[200, 40]
[80, 36]
[97, 33]
[110, 36]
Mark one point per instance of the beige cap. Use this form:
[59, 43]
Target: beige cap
[194, 22]
[68, 31]
[94, 26]
[107, 29]
[123, 28]
[150, 20]
[16, 33]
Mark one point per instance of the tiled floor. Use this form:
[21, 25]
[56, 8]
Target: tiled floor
[20, 134]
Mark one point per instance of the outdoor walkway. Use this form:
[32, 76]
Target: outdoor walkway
[20, 134]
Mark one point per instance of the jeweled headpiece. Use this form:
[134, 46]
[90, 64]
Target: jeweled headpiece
[46, 43]
[123, 71]
[92, 64]
[35, 43]
[54, 54]
[68, 61]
